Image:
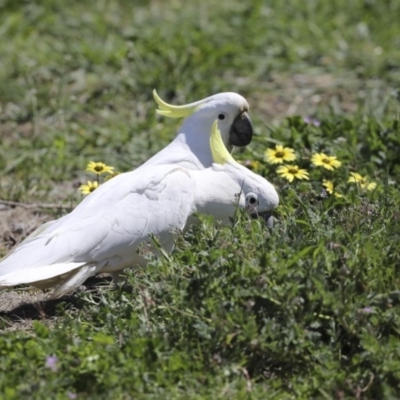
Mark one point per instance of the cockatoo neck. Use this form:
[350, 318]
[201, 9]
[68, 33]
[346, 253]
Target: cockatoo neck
[195, 134]
[189, 149]
[191, 146]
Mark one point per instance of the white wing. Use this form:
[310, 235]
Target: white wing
[103, 232]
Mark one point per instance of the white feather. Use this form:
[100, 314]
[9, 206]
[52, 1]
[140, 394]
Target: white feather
[43, 272]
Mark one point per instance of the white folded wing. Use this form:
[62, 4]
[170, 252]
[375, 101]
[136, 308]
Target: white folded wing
[103, 232]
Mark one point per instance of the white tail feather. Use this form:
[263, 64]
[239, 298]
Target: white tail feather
[75, 280]
[29, 276]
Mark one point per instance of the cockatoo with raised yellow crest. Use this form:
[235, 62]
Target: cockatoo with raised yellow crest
[103, 232]
[190, 148]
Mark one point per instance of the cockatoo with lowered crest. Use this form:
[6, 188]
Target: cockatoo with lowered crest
[190, 148]
[103, 232]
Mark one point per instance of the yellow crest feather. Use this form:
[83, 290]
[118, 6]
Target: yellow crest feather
[218, 150]
[171, 111]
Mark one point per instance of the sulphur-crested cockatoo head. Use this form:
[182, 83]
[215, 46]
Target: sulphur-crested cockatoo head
[230, 109]
[191, 145]
[256, 195]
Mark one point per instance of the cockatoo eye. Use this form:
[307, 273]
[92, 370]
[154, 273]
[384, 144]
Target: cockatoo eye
[251, 200]
[221, 116]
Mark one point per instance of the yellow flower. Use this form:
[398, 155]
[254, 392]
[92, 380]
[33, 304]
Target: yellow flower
[330, 188]
[99, 168]
[323, 160]
[279, 154]
[292, 171]
[371, 186]
[355, 177]
[362, 181]
[89, 188]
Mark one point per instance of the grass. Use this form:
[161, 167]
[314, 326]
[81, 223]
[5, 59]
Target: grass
[309, 310]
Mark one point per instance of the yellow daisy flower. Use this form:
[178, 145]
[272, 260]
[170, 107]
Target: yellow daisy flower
[362, 181]
[279, 155]
[355, 177]
[89, 188]
[330, 188]
[99, 168]
[290, 172]
[371, 186]
[323, 160]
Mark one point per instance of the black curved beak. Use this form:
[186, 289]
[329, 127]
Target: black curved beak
[267, 217]
[241, 131]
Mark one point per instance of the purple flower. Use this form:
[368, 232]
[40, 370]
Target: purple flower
[72, 396]
[313, 121]
[51, 363]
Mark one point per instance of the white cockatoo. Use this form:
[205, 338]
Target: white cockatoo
[103, 232]
[191, 148]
